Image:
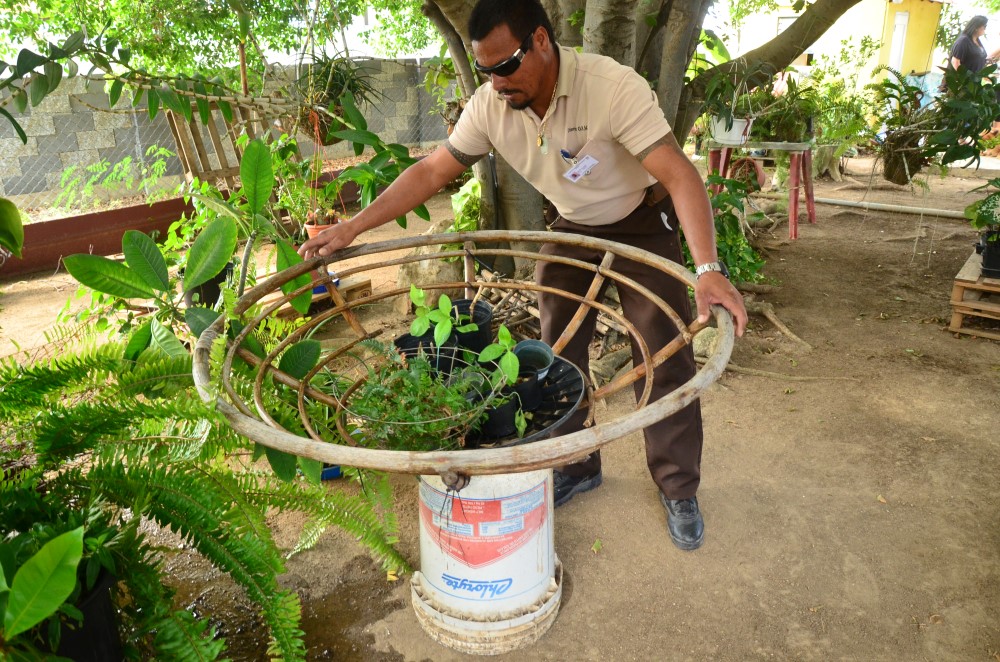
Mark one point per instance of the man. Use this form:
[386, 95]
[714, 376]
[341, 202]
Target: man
[588, 134]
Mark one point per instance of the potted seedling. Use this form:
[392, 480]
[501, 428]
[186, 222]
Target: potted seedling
[984, 216]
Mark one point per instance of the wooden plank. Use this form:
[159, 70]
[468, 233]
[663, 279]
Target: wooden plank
[992, 313]
[351, 289]
[980, 333]
[971, 270]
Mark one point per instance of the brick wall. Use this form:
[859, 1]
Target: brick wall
[73, 126]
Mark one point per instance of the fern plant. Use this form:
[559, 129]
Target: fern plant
[96, 443]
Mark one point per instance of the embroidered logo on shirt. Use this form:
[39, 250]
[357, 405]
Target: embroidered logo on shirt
[582, 127]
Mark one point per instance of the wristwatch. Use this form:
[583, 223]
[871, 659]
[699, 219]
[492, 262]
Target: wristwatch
[712, 266]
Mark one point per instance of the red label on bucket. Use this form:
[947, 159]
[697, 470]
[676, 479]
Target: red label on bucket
[478, 532]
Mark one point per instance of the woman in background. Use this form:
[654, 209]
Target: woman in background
[968, 50]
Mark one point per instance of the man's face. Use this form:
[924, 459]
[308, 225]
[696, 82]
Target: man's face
[520, 88]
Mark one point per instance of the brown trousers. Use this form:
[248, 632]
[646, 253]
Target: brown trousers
[673, 446]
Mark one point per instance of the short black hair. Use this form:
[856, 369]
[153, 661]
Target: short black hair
[522, 17]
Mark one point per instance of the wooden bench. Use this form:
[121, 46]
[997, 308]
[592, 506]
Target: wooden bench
[975, 296]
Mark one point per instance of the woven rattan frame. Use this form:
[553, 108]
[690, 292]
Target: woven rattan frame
[254, 423]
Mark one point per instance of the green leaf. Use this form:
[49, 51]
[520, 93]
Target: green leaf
[510, 365]
[115, 92]
[300, 358]
[170, 100]
[217, 205]
[74, 42]
[17, 127]
[491, 353]
[358, 136]
[144, 258]
[152, 102]
[421, 212]
[351, 111]
[287, 257]
[419, 326]
[11, 228]
[165, 342]
[43, 583]
[124, 54]
[199, 318]
[224, 107]
[20, 99]
[28, 60]
[442, 331]
[312, 470]
[210, 252]
[257, 175]
[283, 464]
[139, 341]
[107, 276]
[38, 87]
[204, 109]
[54, 74]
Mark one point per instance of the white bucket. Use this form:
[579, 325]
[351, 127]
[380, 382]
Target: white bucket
[488, 579]
[735, 135]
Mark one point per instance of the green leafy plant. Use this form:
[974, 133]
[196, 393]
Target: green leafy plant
[729, 198]
[78, 186]
[948, 131]
[89, 448]
[502, 354]
[984, 214]
[11, 229]
[404, 403]
[728, 91]
[442, 317]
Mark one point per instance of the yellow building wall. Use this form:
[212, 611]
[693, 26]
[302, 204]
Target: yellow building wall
[918, 51]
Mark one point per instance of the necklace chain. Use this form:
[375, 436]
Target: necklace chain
[548, 113]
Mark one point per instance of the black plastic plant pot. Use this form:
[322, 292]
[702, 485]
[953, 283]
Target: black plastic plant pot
[209, 291]
[499, 421]
[97, 638]
[562, 390]
[534, 354]
[482, 316]
[528, 389]
[442, 359]
[989, 248]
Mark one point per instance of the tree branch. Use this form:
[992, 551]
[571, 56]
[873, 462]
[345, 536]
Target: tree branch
[456, 47]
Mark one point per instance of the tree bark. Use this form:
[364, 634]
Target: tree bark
[609, 29]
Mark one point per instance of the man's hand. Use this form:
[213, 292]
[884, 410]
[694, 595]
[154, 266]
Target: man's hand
[329, 240]
[711, 288]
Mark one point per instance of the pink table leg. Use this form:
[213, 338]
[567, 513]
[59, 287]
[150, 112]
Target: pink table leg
[807, 177]
[794, 173]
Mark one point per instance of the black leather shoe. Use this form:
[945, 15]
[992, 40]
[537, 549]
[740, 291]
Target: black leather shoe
[566, 487]
[684, 522]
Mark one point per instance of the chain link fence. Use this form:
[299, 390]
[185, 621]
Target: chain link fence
[82, 155]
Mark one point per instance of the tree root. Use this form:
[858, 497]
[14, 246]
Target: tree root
[767, 310]
[732, 367]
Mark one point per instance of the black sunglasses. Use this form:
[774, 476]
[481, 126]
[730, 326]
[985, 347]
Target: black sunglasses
[511, 64]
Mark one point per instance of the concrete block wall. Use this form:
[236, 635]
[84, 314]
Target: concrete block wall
[73, 126]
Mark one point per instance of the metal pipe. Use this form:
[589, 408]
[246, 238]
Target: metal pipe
[878, 206]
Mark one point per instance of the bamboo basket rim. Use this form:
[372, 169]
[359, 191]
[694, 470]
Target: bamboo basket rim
[546, 453]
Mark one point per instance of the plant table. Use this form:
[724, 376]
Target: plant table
[800, 174]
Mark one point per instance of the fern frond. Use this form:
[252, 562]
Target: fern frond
[325, 508]
[180, 499]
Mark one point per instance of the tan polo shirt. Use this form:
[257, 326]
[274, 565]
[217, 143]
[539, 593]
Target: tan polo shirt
[604, 110]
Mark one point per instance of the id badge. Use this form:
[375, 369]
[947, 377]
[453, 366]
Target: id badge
[581, 169]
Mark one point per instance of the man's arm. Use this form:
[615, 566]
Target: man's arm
[670, 166]
[413, 187]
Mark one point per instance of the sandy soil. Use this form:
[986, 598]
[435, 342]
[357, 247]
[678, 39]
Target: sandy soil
[851, 507]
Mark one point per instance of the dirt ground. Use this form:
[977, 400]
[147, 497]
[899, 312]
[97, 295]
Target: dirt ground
[851, 506]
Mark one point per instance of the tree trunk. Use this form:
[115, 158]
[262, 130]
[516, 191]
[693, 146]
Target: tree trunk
[609, 29]
[517, 206]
